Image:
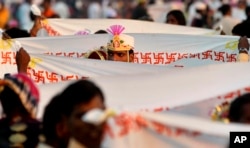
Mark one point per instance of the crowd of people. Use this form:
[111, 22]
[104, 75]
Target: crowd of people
[62, 124]
[223, 14]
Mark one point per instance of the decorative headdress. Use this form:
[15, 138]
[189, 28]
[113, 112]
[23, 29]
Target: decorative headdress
[25, 88]
[118, 41]
[220, 112]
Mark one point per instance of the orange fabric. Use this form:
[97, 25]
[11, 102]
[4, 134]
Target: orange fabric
[4, 17]
[49, 13]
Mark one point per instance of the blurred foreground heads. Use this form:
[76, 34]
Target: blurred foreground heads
[63, 125]
[19, 98]
[240, 109]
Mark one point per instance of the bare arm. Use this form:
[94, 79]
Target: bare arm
[243, 44]
[22, 60]
[22, 57]
[37, 26]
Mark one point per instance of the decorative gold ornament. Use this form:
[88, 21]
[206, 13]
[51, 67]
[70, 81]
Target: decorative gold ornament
[220, 112]
[17, 138]
[19, 127]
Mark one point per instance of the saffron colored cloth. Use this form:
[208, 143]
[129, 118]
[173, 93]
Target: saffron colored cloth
[49, 13]
[4, 17]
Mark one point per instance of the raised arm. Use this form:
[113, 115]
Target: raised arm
[22, 60]
[243, 48]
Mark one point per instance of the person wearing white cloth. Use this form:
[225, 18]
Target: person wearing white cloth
[37, 29]
[239, 11]
[94, 10]
[109, 11]
[62, 9]
[227, 21]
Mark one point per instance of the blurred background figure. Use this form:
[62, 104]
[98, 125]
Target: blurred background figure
[4, 15]
[61, 8]
[94, 9]
[23, 15]
[214, 5]
[146, 18]
[48, 11]
[227, 21]
[157, 10]
[109, 11]
[151, 2]
[199, 13]
[176, 17]
[239, 11]
[140, 10]
[126, 9]
[243, 29]
[201, 17]
[76, 8]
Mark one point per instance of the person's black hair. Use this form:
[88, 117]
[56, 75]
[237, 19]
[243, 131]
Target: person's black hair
[151, 2]
[63, 104]
[235, 110]
[100, 32]
[224, 9]
[84, 88]
[10, 100]
[7, 74]
[17, 33]
[131, 51]
[28, 1]
[247, 11]
[237, 30]
[51, 117]
[46, 1]
[241, 30]
[179, 16]
[146, 18]
[32, 16]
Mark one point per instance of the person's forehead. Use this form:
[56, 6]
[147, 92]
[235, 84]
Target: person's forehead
[111, 51]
